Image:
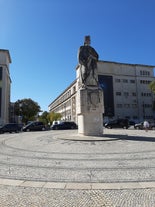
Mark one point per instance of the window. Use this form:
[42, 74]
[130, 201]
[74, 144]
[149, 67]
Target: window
[74, 89]
[144, 73]
[146, 94]
[127, 105]
[119, 105]
[133, 94]
[118, 93]
[145, 82]
[117, 80]
[126, 94]
[132, 81]
[125, 81]
[134, 105]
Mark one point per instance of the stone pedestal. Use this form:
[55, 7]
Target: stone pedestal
[90, 111]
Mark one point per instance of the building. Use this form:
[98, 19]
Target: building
[5, 83]
[126, 92]
[65, 103]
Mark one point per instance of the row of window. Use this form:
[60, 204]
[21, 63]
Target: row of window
[147, 117]
[126, 94]
[145, 73]
[147, 105]
[145, 81]
[117, 80]
[120, 105]
[146, 94]
[118, 93]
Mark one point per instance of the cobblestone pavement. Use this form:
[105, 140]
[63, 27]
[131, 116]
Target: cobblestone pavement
[61, 168]
[40, 197]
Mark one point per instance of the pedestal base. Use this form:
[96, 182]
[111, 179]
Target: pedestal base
[90, 124]
[90, 112]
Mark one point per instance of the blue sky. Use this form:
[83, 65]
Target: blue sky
[43, 37]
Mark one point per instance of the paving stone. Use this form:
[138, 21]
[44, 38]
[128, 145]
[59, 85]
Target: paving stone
[61, 168]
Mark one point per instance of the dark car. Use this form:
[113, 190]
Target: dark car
[34, 126]
[141, 125]
[10, 127]
[131, 123]
[117, 123]
[65, 125]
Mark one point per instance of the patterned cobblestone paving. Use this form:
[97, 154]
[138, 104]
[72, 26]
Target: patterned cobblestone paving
[40, 197]
[120, 156]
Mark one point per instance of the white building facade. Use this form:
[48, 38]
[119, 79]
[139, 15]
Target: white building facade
[5, 83]
[126, 93]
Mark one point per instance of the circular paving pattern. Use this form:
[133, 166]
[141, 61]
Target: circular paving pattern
[64, 156]
[61, 168]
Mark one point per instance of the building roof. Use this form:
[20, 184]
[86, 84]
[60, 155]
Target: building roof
[8, 53]
[152, 66]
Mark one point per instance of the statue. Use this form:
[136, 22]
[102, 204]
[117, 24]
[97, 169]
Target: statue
[88, 57]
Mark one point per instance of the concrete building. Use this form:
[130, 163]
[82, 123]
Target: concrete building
[126, 92]
[5, 83]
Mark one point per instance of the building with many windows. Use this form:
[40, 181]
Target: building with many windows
[126, 92]
[5, 83]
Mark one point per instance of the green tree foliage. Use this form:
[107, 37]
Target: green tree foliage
[44, 117]
[152, 86]
[27, 109]
[54, 116]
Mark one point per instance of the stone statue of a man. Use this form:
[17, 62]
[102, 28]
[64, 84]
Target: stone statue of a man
[88, 57]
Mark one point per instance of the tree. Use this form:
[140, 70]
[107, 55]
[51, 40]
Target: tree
[152, 86]
[27, 109]
[44, 117]
[54, 116]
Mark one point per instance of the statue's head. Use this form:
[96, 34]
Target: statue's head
[87, 40]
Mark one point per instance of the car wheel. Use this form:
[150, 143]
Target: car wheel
[28, 130]
[43, 129]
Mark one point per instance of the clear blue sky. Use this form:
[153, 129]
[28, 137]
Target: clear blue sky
[43, 37]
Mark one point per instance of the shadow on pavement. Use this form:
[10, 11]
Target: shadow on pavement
[129, 137]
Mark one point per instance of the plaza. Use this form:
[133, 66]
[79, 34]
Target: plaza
[62, 168]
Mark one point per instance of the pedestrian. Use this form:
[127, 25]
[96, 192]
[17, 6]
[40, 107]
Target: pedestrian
[146, 125]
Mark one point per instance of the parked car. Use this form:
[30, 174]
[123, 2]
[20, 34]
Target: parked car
[117, 123]
[131, 123]
[152, 125]
[141, 125]
[65, 125]
[10, 127]
[34, 126]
